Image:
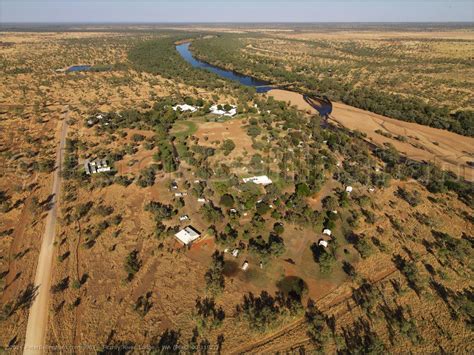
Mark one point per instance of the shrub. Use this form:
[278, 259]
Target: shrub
[132, 264]
[228, 146]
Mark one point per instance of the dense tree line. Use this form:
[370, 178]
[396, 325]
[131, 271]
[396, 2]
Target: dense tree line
[159, 56]
[264, 311]
[225, 51]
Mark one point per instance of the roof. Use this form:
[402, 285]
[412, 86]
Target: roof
[327, 231]
[259, 180]
[230, 113]
[185, 107]
[187, 235]
[323, 243]
[349, 189]
[96, 166]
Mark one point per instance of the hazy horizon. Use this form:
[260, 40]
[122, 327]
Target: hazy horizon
[244, 11]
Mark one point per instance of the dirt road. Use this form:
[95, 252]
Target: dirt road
[38, 316]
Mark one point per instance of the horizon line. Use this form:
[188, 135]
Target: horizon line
[224, 22]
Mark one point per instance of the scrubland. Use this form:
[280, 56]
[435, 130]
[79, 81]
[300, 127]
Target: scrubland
[396, 274]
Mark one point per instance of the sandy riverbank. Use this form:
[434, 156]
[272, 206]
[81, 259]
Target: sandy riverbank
[449, 150]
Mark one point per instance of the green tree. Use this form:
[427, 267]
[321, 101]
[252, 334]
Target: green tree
[228, 146]
[317, 329]
[227, 201]
[302, 190]
[132, 264]
[214, 276]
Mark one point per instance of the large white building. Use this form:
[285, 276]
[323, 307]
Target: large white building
[187, 235]
[215, 110]
[185, 107]
[259, 180]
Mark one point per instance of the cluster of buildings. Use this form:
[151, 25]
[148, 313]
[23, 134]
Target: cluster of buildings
[96, 166]
[214, 109]
[100, 119]
[220, 110]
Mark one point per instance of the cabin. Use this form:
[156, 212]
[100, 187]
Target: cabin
[349, 189]
[259, 180]
[184, 218]
[187, 235]
[235, 253]
[327, 232]
[245, 265]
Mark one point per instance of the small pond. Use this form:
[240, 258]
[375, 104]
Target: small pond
[79, 68]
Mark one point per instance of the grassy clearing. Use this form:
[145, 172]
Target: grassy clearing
[184, 129]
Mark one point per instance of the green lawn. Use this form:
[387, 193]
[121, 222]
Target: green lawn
[183, 129]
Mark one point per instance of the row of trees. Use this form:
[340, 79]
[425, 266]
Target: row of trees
[226, 51]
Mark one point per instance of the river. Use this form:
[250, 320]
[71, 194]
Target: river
[323, 106]
[260, 85]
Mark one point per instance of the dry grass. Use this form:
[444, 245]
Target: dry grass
[175, 277]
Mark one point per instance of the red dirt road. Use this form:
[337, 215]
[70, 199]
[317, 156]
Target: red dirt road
[38, 316]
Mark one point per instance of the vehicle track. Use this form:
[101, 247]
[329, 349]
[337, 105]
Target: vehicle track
[254, 347]
[39, 310]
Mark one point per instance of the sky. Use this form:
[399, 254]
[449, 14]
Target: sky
[159, 11]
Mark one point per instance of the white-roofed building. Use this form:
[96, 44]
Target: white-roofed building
[259, 180]
[184, 108]
[96, 166]
[327, 232]
[187, 235]
[323, 243]
[214, 109]
[349, 189]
